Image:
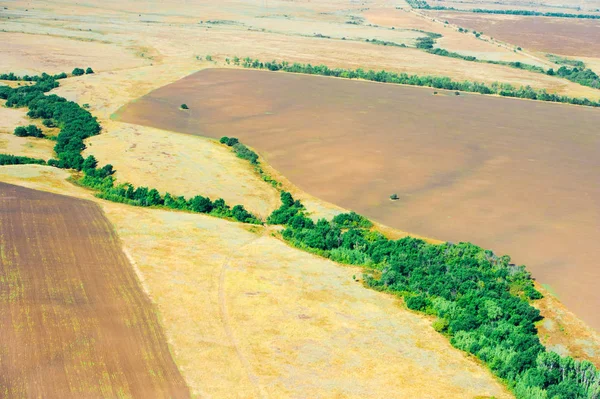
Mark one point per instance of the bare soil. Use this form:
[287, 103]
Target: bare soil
[515, 176]
[565, 36]
[74, 319]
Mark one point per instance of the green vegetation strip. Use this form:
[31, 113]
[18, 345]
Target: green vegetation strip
[423, 5]
[438, 82]
[481, 301]
[76, 124]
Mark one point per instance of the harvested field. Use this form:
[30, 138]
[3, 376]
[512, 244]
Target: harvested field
[74, 319]
[466, 168]
[33, 54]
[565, 36]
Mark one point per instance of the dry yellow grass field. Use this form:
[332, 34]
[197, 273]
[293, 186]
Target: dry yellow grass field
[245, 315]
[181, 165]
[24, 146]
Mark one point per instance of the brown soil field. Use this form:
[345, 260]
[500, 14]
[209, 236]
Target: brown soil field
[74, 319]
[512, 175]
[565, 36]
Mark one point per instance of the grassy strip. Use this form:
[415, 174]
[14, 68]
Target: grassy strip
[438, 82]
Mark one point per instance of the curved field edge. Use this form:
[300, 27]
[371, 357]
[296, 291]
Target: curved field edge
[74, 319]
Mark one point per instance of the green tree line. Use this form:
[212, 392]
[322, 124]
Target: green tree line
[438, 82]
[6, 159]
[76, 124]
[481, 301]
[423, 5]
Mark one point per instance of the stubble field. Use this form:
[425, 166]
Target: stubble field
[74, 319]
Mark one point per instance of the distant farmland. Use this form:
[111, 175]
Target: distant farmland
[565, 36]
[74, 320]
[519, 177]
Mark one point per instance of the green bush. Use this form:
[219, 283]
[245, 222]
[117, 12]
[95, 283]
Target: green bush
[29, 131]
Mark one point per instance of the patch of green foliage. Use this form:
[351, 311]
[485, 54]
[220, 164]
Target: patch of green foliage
[28, 131]
[583, 76]
[439, 82]
[6, 159]
[535, 13]
[76, 124]
[240, 149]
[481, 301]
[385, 43]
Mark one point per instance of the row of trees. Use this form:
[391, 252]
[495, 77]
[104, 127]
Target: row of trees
[535, 13]
[26, 78]
[480, 300]
[102, 179]
[44, 76]
[6, 159]
[438, 82]
[76, 124]
[422, 4]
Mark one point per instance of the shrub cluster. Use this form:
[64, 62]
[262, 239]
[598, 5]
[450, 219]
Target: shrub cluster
[28, 131]
[240, 149]
[6, 159]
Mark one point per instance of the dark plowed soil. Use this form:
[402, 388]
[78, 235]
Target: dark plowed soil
[74, 321]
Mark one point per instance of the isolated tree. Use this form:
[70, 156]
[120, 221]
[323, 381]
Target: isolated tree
[394, 197]
[184, 106]
[78, 72]
[89, 71]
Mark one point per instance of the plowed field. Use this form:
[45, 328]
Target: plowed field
[74, 320]
[519, 177]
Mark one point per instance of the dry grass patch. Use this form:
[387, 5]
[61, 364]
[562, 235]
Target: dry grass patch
[247, 315]
[10, 118]
[33, 54]
[181, 165]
